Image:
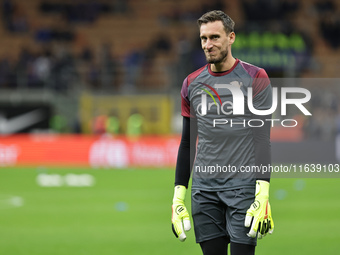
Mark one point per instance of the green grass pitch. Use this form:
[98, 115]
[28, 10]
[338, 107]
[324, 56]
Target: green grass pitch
[128, 212]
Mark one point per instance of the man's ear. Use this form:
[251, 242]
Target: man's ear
[232, 37]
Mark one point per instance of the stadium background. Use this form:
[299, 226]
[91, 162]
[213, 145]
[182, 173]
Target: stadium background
[90, 120]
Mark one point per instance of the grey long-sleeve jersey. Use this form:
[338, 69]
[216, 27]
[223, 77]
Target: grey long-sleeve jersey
[228, 125]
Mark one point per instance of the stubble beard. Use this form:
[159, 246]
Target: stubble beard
[219, 59]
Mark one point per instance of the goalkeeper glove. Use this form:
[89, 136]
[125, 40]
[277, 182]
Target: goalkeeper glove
[259, 212]
[180, 215]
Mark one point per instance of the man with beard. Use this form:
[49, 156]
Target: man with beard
[229, 205]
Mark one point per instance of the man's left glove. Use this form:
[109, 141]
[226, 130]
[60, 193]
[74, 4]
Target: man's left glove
[180, 216]
[259, 212]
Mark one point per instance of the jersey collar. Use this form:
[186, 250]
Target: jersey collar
[225, 72]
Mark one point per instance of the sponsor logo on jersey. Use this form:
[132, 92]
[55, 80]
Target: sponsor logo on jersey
[236, 106]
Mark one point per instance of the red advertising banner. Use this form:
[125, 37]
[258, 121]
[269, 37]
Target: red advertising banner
[98, 151]
[94, 151]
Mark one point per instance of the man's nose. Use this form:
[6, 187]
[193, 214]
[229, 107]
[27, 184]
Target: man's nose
[208, 44]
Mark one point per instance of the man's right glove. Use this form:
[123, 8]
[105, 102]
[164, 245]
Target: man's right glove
[180, 216]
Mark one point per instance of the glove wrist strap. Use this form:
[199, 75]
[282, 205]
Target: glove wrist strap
[179, 194]
[262, 189]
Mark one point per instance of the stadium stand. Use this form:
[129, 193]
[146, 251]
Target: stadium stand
[135, 33]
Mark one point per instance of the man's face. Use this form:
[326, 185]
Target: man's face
[215, 41]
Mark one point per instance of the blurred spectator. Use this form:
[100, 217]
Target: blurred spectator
[133, 65]
[184, 65]
[5, 73]
[43, 34]
[82, 11]
[99, 124]
[62, 31]
[78, 11]
[134, 124]
[14, 17]
[19, 20]
[64, 71]
[7, 13]
[330, 29]
[58, 124]
[43, 65]
[148, 76]
[59, 31]
[197, 55]
[86, 54]
[76, 125]
[57, 69]
[109, 67]
[262, 10]
[24, 70]
[93, 75]
[162, 43]
[112, 123]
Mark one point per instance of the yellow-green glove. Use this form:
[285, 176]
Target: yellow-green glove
[259, 214]
[180, 217]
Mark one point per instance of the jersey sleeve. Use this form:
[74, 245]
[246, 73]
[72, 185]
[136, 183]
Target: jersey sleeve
[262, 91]
[185, 105]
[184, 165]
[262, 100]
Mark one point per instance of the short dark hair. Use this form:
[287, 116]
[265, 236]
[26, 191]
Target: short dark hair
[216, 15]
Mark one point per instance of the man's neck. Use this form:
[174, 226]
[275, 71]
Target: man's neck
[223, 66]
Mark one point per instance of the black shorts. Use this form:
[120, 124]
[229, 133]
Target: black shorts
[222, 213]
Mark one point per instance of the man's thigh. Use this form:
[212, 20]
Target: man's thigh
[208, 214]
[218, 214]
[237, 203]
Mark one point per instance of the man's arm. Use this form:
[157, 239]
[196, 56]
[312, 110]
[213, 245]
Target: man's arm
[186, 153]
[180, 216]
[259, 217]
[262, 146]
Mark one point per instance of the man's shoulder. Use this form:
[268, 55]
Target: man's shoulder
[191, 77]
[251, 69]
